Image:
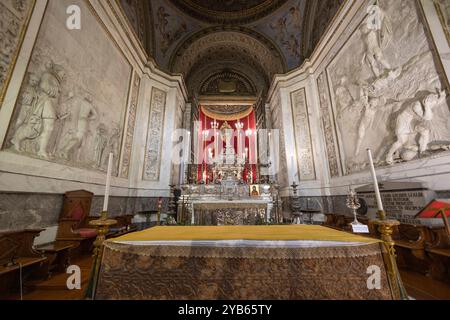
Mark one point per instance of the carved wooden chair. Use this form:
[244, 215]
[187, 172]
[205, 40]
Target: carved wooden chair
[74, 220]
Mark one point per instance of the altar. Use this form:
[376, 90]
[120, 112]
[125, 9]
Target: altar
[241, 263]
[221, 205]
[226, 190]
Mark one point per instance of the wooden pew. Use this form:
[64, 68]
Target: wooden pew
[410, 242]
[438, 250]
[58, 258]
[18, 259]
[419, 248]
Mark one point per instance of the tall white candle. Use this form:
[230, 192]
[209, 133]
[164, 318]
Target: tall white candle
[375, 181]
[108, 182]
[294, 168]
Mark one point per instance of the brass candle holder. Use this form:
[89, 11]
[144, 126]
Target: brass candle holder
[102, 226]
[386, 229]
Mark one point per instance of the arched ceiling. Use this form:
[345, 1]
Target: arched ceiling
[228, 11]
[257, 37]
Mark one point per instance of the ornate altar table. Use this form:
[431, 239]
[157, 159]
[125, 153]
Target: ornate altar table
[224, 212]
[240, 263]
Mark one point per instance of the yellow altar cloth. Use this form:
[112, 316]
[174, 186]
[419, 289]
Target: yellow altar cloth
[257, 233]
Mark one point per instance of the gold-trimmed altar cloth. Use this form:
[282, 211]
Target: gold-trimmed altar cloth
[257, 233]
[240, 263]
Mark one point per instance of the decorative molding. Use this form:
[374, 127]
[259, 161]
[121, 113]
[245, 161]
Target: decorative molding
[14, 19]
[227, 82]
[302, 133]
[229, 12]
[155, 133]
[328, 125]
[227, 112]
[131, 123]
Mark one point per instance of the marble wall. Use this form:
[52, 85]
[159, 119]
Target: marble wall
[35, 211]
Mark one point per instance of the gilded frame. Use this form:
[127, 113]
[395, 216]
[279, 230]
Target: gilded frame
[10, 71]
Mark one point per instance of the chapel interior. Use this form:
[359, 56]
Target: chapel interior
[237, 149]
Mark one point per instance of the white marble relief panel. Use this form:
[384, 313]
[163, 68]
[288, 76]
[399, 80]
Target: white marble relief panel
[443, 11]
[281, 159]
[14, 18]
[152, 162]
[302, 133]
[71, 107]
[387, 92]
[131, 124]
[326, 117]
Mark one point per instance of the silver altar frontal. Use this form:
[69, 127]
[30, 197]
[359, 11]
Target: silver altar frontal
[227, 204]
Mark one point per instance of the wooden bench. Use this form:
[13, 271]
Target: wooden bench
[58, 258]
[419, 248]
[438, 250]
[18, 259]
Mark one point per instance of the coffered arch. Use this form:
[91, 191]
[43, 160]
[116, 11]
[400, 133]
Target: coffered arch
[217, 42]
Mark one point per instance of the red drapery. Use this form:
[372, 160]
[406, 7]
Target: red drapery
[205, 145]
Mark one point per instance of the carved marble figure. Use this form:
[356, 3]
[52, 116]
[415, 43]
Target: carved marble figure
[42, 116]
[100, 145]
[377, 32]
[414, 121]
[84, 114]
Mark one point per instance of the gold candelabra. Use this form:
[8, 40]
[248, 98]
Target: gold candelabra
[102, 226]
[386, 228]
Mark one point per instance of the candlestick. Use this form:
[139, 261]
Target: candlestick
[375, 185]
[108, 182]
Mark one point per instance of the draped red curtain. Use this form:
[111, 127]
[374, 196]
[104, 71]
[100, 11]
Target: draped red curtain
[249, 122]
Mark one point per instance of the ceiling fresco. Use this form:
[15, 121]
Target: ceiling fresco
[270, 36]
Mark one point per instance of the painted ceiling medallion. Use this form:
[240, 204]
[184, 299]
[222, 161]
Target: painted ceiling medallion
[229, 11]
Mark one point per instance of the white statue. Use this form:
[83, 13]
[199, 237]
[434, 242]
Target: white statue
[370, 106]
[100, 145]
[377, 33]
[28, 99]
[74, 139]
[415, 120]
[114, 141]
[372, 97]
[41, 121]
[344, 98]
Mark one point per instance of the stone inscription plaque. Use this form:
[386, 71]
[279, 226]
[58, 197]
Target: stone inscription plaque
[401, 200]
